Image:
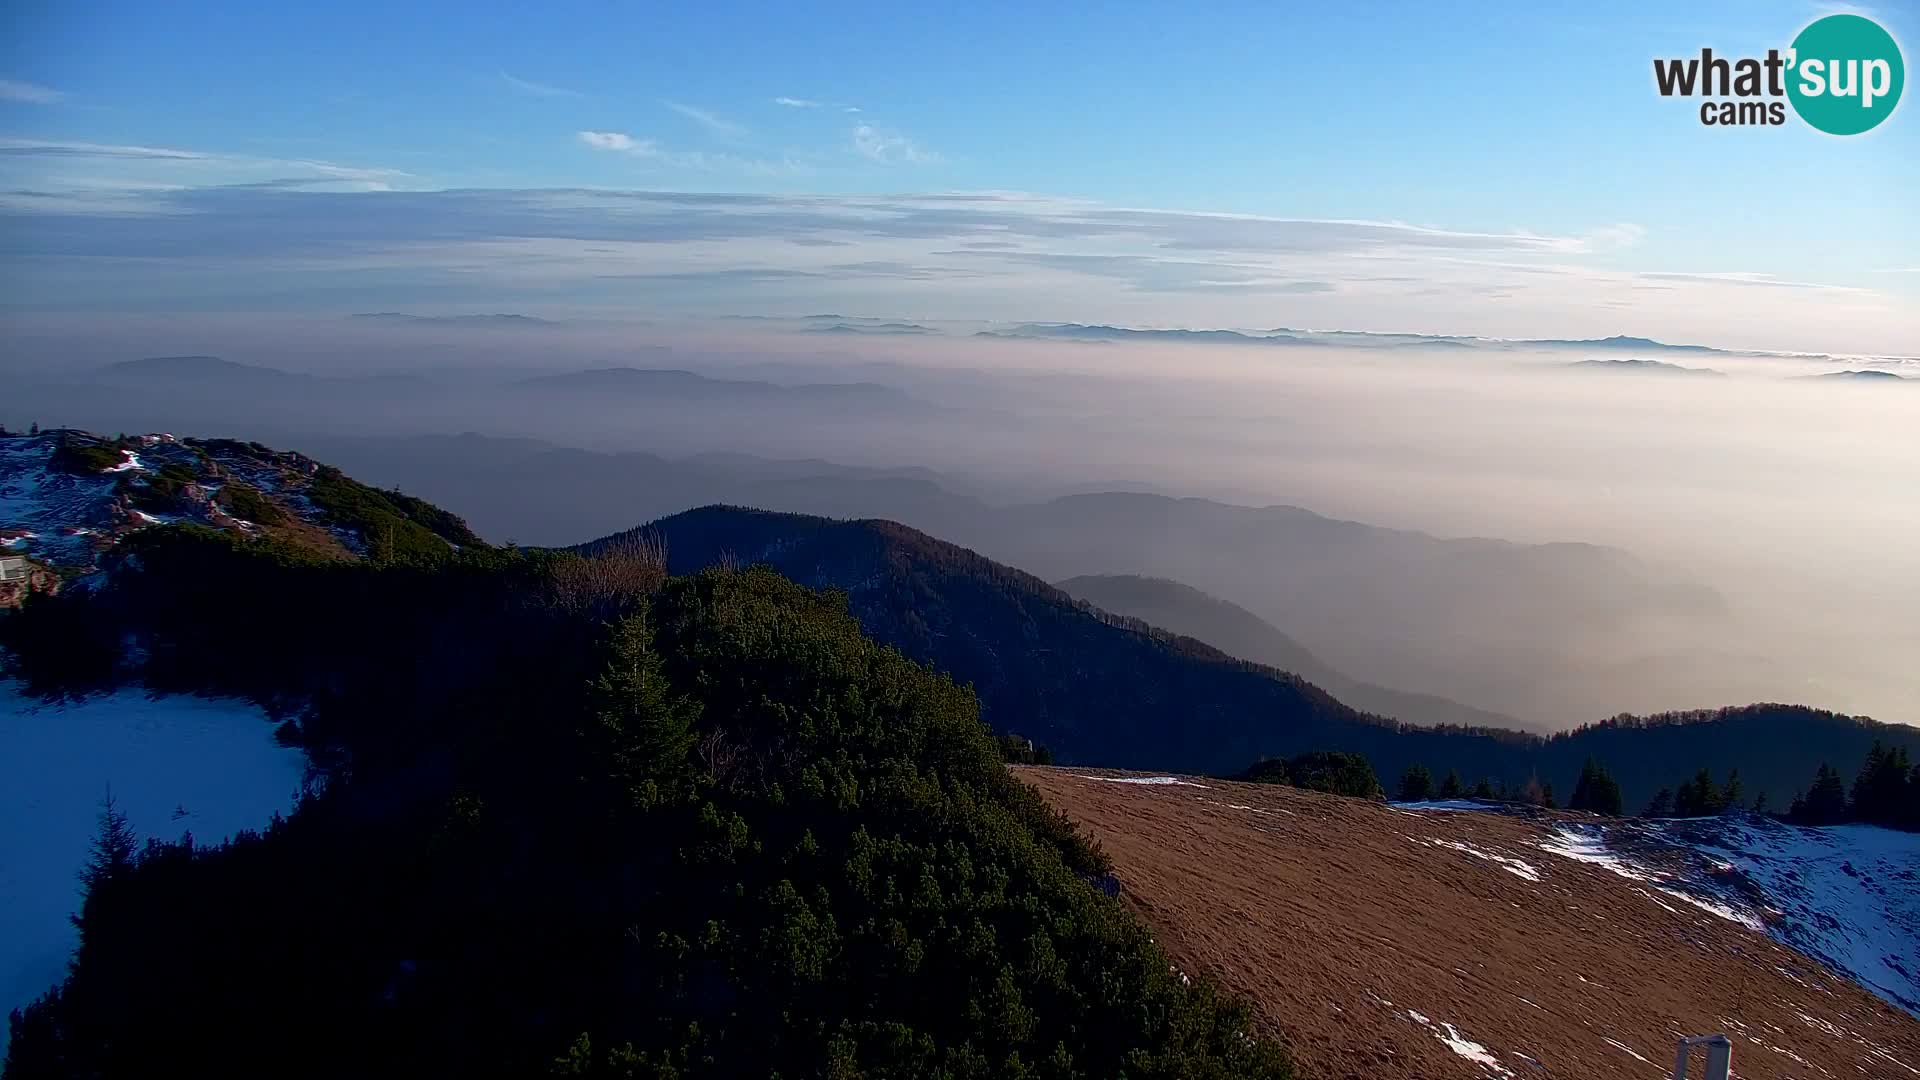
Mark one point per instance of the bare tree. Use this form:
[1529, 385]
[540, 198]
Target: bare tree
[617, 574]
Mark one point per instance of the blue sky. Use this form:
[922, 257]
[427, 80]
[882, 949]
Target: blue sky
[1514, 168]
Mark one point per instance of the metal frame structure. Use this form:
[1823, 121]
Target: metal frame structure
[1719, 1056]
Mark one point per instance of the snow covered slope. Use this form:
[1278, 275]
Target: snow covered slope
[176, 764]
[1846, 895]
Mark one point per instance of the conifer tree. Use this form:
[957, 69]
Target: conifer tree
[646, 728]
[1701, 797]
[1451, 787]
[1880, 790]
[1661, 805]
[1825, 803]
[111, 855]
[110, 864]
[1910, 816]
[1416, 784]
[1596, 791]
[1583, 786]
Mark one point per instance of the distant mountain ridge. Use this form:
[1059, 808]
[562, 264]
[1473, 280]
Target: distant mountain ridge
[1868, 376]
[1236, 631]
[1617, 341]
[884, 328]
[495, 321]
[191, 367]
[1084, 332]
[1386, 606]
[1637, 366]
[1114, 691]
[1289, 336]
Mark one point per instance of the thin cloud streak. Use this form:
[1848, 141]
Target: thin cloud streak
[889, 147]
[208, 169]
[809, 103]
[716, 125]
[56, 148]
[538, 89]
[652, 153]
[29, 93]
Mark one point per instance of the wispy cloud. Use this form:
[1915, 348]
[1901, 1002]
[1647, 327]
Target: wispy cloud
[538, 89]
[653, 153]
[139, 166]
[1623, 235]
[809, 103]
[890, 148]
[56, 148]
[31, 93]
[616, 140]
[993, 253]
[1764, 281]
[718, 126]
[1067, 235]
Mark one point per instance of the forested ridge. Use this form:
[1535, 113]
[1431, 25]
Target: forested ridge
[572, 817]
[1102, 689]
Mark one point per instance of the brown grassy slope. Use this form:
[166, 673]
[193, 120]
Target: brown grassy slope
[1340, 919]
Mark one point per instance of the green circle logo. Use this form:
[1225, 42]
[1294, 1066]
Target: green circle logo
[1845, 74]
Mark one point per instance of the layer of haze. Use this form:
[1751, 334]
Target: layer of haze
[1768, 521]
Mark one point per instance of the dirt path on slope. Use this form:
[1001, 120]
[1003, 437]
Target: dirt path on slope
[1380, 942]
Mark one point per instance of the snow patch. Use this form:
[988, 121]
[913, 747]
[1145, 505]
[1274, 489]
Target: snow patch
[1462, 1045]
[1157, 780]
[1471, 1050]
[1581, 845]
[1720, 910]
[1847, 896]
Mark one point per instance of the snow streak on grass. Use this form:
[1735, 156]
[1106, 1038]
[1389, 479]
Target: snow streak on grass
[1157, 780]
[1462, 1045]
[1516, 867]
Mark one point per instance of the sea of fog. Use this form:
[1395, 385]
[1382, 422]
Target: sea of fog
[1795, 498]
